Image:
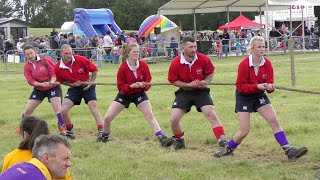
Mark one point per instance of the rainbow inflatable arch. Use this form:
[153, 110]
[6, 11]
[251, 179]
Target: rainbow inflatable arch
[153, 21]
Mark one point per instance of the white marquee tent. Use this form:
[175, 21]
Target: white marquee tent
[176, 7]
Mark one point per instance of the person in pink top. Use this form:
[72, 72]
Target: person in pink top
[131, 39]
[132, 78]
[39, 72]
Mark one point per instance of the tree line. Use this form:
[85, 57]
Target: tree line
[128, 14]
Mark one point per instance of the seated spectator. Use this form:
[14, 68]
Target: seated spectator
[31, 128]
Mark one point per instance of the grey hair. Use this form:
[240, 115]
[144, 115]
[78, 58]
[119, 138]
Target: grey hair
[252, 42]
[48, 144]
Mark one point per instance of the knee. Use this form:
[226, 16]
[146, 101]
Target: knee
[64, 111]
[174, 121]
[92, 105]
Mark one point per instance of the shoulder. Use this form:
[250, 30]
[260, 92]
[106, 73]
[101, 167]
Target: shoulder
[244, 61]
[267, 60]
[79, 58]
[18, 155]
[143, 62]
[202, 57]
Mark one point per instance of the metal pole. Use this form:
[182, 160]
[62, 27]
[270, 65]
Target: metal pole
[290, 22]
[303, 35]
[260, 20]
[293, 72]
[194, 23]
[229, 44]
[267, 26]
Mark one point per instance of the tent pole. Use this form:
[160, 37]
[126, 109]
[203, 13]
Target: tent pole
[303, 34]
[229, 44]
[290, 21]
[228, 18]
[194, 23]
[260, 21]
[267, 26]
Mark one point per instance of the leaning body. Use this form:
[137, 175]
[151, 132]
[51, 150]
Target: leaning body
[42, 70]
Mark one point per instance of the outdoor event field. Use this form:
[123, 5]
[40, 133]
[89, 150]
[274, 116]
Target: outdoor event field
[133, 151]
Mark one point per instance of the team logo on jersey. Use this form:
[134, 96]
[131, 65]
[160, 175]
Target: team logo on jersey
[42, 68]
[245, 108]
[262, 101]
[199, 71]
[264, 76]
[80, 70]
[53, 93]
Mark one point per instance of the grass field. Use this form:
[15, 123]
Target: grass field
[134, 152]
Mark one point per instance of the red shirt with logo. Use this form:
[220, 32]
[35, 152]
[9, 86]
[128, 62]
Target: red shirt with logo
[247, 80]
[200, 68]
[126, 77]
[40, 71]
[78, 71]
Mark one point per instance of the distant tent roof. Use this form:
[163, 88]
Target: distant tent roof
[5, 20]
[241, 22]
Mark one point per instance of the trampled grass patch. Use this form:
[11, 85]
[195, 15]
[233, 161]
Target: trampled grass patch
[134, 153]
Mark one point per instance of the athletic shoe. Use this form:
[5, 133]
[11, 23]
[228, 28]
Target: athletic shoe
[178, 144]
[70, 134]
[165, 142]
[223, 151]
[62, 129]
[102, 139]
[222, 141]
[294, 152]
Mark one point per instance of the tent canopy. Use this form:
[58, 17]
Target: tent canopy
[209, 6]
[241, 22]
[295, 2]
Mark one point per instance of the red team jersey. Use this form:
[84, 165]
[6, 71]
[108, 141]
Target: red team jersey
[40, 71]
[184, 72]
[247, 80]
[125, 77]
[79, 70]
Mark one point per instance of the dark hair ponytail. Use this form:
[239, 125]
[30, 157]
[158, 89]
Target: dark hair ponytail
[34, 126]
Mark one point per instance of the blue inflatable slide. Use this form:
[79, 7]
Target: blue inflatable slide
[96, 21]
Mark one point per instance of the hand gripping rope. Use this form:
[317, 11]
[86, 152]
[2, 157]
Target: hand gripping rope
[162, 84]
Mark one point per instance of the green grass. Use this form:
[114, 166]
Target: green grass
[42, 31]
[134, 153]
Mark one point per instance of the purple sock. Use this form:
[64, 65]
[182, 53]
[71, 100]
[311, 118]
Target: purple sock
[59, 116]
[281, 138]
[232, 145]
[159, 133]
[105, 134]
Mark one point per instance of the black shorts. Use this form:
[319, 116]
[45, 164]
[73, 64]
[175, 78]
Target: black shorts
[76, 94]
[40, 95]
[135, 98]
[250, 103]
[185, 99]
